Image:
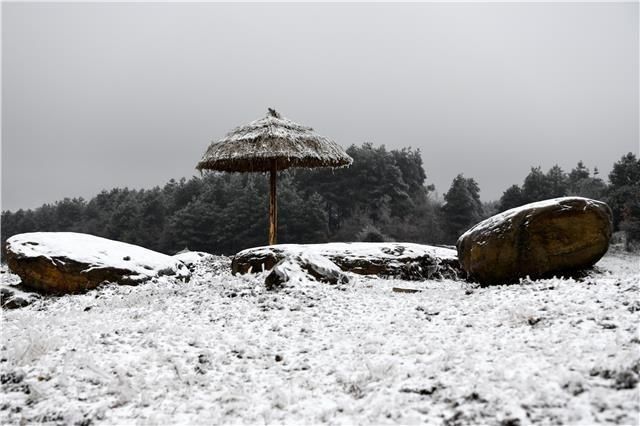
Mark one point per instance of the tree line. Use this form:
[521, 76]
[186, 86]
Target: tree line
[621, 193]
[383, 196]
[463, 208]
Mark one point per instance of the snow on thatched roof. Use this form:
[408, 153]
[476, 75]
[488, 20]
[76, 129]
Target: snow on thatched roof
[254, 146]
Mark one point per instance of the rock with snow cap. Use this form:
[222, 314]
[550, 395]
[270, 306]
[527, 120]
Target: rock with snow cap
[69, 262]
[556, 236]
[191, 258]
[12, 297]
[399, 260]
[305, 266]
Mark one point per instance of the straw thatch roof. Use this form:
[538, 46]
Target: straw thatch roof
[254, 147]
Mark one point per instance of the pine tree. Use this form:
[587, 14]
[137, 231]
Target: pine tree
[558, 182]
[624, 197]
[581, 183]
[625, 172]
[577, 174]
[462, 207]
[630, 219]
[536, 186]
[300, 220]
[69, 214]
[511, 198]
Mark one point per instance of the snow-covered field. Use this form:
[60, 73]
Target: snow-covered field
[222, 349]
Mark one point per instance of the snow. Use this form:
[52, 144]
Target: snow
[289, 271]
[322, 266]
[95, 251]
[487, 225]
[13, 296]
[358, 250]
[302, 268]
[190, 258]
[222, 349]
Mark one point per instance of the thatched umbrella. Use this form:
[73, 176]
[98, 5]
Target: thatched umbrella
[270, 144]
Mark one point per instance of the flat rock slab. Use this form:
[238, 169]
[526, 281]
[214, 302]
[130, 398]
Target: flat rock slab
[69, 262]
[556, 236]
[399, 260]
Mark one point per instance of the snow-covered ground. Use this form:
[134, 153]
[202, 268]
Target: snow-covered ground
[222, 349]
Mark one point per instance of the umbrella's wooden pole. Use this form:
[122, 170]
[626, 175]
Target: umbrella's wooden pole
[273, 206]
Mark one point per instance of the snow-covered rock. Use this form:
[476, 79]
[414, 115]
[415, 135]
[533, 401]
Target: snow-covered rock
[69, 262]
[305, 267]
[401, 260]
[12, 297]
[191, 258]
[544, 238]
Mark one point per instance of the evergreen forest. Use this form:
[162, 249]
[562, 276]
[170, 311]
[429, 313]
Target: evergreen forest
[383, 196]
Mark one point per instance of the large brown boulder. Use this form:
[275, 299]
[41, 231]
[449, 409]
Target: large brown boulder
[399, 260]
[69, 262]
[549, 237]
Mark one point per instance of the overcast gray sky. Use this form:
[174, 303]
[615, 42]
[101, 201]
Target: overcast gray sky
[97, 96]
